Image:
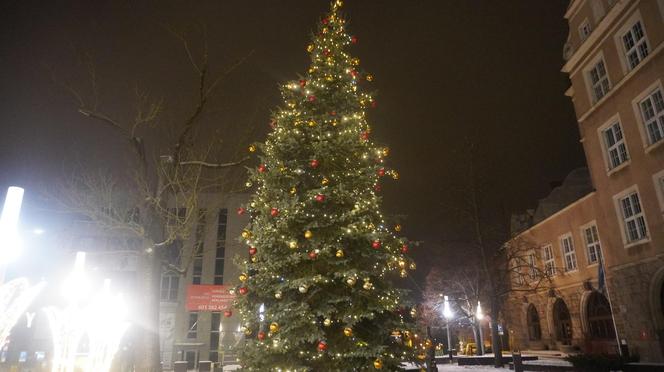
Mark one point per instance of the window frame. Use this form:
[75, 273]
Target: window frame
[595, 245]
[618, 205]
[658, 180]
[588, 76]
[641, 124]
[618, 38]
[572, 252]
[192, 327]
[169, 276]
[606, 148]
[549, 259]
[585, 29]
[657, 119]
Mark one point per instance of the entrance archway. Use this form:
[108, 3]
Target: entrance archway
[562, 322]
[534, 329]
[600, 322]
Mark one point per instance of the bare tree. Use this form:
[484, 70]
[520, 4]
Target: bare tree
[154, 195]
[491, 266]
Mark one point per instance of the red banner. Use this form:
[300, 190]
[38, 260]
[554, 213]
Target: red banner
[209, 298]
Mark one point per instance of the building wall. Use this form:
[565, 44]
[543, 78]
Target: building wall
[174, 317]
[633, 268]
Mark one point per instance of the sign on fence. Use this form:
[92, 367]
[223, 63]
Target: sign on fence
[209, 297]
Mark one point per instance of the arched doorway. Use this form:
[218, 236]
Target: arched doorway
[562, 322]
[600, 322]
[534, 329]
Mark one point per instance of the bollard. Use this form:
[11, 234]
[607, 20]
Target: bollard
[180, 366]
[516, 359]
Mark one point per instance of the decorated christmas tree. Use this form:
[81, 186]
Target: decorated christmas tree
[317, 292]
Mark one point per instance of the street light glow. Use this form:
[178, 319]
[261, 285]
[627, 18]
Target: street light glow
[10, 242]
[478, 314]
[447, 311]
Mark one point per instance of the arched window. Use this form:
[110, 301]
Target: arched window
[563, 322]
[534, 330]
[600, 322]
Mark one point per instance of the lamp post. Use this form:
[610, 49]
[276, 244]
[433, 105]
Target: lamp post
[447, 313]
[479, 315]
[9, 239]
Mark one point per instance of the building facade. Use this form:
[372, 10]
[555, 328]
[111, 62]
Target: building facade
[203, 336]
[615, 233]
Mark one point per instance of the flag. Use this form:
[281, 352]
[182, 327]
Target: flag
[601, 277]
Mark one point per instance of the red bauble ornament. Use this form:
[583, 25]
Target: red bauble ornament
[376, 244]
[374, 104]
[273, 124]
[377, 188]
[326, 52]
[404, 248]
[303, 83]
[364, 136]
[240, 211]
[243, 290]
[353, 73]
[313, 255]
[314, 163]
[320, 198]
[261, 168]
[228, 313]
[353, 39]
[311, 98]
[253, 250]
[325, 21]
[333, 113]
[261, 336]
[380, 172]
[322, 346]
[274, 212]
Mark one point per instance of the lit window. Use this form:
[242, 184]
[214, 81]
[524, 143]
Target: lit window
[593, 248]
[614, 143]
[633, 217]
[549, 264]
[652, 111]
[569, 255]
[599, 80]
[635, 44]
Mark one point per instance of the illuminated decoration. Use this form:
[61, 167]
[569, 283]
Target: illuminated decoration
[15, 297]
[10, 242]
[320, 169]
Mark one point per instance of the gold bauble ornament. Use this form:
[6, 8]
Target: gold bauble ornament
[246, 234]
[243, 277]
[308, 234]
[293, 190]
[403, 273]
[395, 175]
[247, 331]
[311, 71]
[421, 356]
[292, 244]
[329, 78]
[348, 331]
[355, 61]
[369, 77]
[397, 227]
[311, 123]
[248, 184]
[274, 327]
[277, 295]
[351, 281]
[413, 312]
[339, 3]
[303, 288]
[413, 266]
[339, 253]
[367, 285]
[378, 364]
[428, 343]
[310, 48]
[254, 259]
[252, 148]
[402, 264]
[325, 181]
[327, 322]
[386, 151]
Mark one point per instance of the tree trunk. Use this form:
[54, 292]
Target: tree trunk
[496, 344]
[476, 336]
[147, 353]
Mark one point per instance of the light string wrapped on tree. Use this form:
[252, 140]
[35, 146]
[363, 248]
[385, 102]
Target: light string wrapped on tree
[316, 290]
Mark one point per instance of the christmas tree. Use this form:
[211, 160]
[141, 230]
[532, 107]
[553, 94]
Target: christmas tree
[316, 293]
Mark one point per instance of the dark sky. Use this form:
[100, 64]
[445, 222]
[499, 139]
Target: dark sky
[444, 70]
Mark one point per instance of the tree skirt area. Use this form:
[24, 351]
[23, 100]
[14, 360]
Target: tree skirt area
[457, 368]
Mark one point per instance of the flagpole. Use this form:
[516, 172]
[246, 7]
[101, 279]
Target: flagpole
[604, 285]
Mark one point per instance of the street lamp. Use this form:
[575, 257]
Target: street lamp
[479, 315]
[447, 313]
[9, 240]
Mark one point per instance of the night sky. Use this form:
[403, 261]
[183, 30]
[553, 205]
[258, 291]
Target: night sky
[446, 72]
